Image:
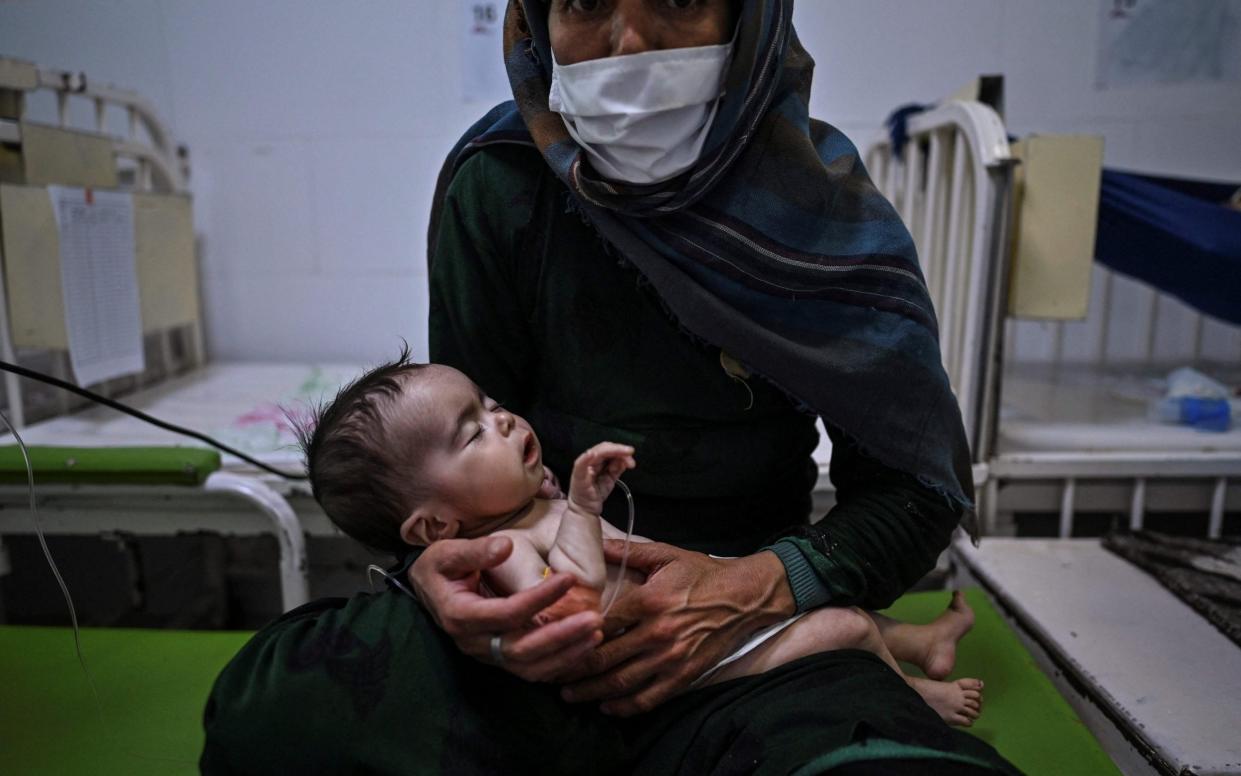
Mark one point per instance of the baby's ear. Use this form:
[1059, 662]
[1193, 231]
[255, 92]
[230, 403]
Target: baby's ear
[423, 527]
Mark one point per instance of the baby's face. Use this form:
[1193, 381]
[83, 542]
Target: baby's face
[479, 460]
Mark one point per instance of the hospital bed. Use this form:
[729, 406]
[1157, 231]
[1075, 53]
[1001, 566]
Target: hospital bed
[1077, 393]
[1057, 415]
[104, 137]
[1056, 411]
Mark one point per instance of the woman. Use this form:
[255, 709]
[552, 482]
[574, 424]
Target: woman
[624, 307]
[680, 260]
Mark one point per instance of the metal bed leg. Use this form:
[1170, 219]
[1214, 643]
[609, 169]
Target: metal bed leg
[1137, 507]
[990, 505]
[294, 583]
[1216, 526]
[1066, 507]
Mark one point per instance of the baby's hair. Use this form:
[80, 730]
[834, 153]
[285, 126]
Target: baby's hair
[359, 471]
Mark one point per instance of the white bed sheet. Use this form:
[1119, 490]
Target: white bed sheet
[240, 404]
[1082, 408]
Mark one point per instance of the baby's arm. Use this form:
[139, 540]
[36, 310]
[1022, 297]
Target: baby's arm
[578, 548]
[523, 569]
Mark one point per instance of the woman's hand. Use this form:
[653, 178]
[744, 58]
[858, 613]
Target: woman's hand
[692, 611]
[447, 578]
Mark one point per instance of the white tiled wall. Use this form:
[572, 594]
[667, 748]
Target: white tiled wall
[317, 128]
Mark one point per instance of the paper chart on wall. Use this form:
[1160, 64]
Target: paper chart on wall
[99, 282]
[1149, 42]
[483, 76]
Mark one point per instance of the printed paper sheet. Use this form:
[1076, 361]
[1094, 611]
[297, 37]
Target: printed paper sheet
[99, 281]
[1146, 42]
[483, 77]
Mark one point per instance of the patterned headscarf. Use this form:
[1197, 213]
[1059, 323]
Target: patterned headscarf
[775, 247]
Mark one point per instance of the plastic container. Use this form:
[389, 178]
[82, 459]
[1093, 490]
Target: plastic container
[1193, 411]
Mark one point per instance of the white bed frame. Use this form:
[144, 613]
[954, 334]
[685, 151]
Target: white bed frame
[953, 189]
[147, 160]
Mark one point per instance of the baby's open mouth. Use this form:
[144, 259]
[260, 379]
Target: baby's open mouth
[530, 453]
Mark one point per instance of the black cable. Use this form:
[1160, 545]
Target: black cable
[116, 405]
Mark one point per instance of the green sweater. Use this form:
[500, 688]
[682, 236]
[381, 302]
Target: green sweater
[528, 301]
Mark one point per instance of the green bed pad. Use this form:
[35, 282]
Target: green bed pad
[109, 465]
[1023, 715]
[153, 685]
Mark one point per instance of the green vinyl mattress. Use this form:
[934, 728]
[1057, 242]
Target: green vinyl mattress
[153, 684]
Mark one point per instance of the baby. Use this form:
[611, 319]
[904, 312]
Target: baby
[409, 454]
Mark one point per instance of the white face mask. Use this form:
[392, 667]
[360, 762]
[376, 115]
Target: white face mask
[641, 118]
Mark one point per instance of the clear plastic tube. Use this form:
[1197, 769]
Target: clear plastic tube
[47, 553]
[625, 553]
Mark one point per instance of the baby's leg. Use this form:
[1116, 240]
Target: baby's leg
[931, 647]
[819, 631]
[958, 702]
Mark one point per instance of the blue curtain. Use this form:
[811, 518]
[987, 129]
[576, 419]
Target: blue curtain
[1176, 235]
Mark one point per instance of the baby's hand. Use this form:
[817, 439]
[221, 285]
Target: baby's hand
[595, 473]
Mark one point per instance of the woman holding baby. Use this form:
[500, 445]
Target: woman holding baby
[655, 245]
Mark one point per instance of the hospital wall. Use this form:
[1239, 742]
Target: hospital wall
[316, 129]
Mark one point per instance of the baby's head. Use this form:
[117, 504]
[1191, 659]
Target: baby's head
[411, 453]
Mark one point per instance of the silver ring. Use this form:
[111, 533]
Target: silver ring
[496, 643]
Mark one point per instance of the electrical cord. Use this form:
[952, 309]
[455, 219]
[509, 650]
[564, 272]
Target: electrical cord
[140, 415]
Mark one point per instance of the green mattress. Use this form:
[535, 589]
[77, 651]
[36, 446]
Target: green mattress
[152, 685]
[1023, 715]
[109, 465]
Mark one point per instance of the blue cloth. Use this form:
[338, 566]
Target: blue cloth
[1175, 235]
[776, 247]
[898, 126]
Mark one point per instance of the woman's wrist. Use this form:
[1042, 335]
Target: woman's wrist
[773, 597]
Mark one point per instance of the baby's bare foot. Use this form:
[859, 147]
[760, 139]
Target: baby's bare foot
[948, 628]
[957, 702]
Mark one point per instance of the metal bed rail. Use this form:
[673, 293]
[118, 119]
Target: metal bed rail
[226, 503]
[1129, 325]
[951, 185]
[161, 165]
[1134, 484]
